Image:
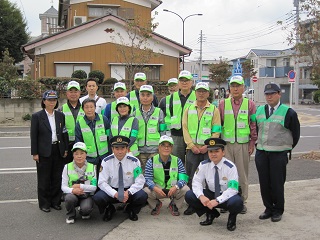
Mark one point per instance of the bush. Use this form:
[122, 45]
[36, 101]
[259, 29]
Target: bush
[79, 74]
[26, 117]
[27, 89]
[316, 96]
[110, 81]
[97, 74]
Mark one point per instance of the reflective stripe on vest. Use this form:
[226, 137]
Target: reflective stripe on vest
[200, 130]
[167, 118]
[272, 135]
[70, 121]
[176, 118]
[149, 133]
[236, 130]
[114, 112]
[125, 131]
[99, 139]
[159, 175]
[73, 175]
[134, 102]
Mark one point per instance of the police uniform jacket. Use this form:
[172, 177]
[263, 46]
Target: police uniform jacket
[205, 173]
[108, 177]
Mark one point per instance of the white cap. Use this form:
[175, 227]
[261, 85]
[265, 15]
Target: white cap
[123, 100]
[73, 84]
[202, 85]
[185, 74]
[147, 88]
[172, 80]
[140, 75]
[165, 138]
[120, 85]
[79, 145]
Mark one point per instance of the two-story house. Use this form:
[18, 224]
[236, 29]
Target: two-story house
[91, 38]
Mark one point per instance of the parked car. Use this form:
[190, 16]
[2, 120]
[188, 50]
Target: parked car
[249, 93]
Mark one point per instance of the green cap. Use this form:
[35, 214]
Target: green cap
[146, 88]
[185, 74]
[202, 85]
[79, 145]
[140, 76]
[172, 80]
[73, 84]
[165, 138]
[123, 100]
[119, 85]
[237, 79]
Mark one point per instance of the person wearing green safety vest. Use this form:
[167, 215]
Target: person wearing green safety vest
[174, 109]
[221, 188]
[72, 111]
[125, 125]
[93, 129]
[164, 102]
[151, 125]
[239, 131]
[140, 79]
[79, 183]
[200, 121]
[119, 90]
[165, 178]
[278, 129]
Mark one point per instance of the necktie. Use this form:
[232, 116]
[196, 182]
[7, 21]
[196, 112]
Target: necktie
[271, 111]
[120, 184]
[216, 183]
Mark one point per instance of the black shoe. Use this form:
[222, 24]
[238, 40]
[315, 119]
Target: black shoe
[231, 225]
[276, 217]
[208, 220]
[56, 207]
[133, 216]
[265, 215]
[45, 209]
[189, 211]
[108, 214]
[244, 210]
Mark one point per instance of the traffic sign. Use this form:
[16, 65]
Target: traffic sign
[254, 79]
[291, 76]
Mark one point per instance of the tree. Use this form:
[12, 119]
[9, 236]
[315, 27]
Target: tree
[219, 72]
[8, 72]
[248, 69]
[13, 30]
[133, 48]
[81, 74]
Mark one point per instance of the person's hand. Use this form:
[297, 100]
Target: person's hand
[77, 191]
[159, 191]
[213, 203]
[251, 149]
[65, 154]
[195, 150]
[172, 191]
[76, 185]
[204, 200]
[126, 196]
[203, 149]
[36, 157]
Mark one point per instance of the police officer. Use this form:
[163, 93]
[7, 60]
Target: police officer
[239, 131]
[165, 178]
[221, 191]
[72, 111]
[120, 181]
[278, 133]
[79, 183]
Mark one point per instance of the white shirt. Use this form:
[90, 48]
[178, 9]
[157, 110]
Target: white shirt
[52, 122]
[100, 104]
[65, 182]
[274, 108]
[108, 177]
[205, 173]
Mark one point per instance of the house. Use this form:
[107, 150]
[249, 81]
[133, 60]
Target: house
[91, 39]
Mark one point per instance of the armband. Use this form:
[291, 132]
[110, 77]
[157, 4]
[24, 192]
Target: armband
[162, 127]
[233, 184]
[134, 133]
[136, 172]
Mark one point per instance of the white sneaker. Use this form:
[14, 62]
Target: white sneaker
[86, 217]
[70, 220]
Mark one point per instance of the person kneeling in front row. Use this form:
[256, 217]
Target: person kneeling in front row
[221, 191]
[79, 183]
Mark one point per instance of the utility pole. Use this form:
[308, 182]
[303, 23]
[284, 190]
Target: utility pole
[200, 71]
[296, 65]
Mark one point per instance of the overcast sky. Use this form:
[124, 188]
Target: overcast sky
[230, 27]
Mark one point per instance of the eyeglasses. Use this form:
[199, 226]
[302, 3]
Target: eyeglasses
[166, 146]
[184, 80]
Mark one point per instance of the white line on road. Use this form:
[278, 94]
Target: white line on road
[19, 201]
[18, 172]
[14, 137]
[5, 148]
[13, 169]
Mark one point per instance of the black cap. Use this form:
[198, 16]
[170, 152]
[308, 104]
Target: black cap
[119, 141]
[50, 94]
[215, 143]
[271, 88]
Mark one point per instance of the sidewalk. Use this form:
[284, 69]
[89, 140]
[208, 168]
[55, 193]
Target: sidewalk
[300, 220]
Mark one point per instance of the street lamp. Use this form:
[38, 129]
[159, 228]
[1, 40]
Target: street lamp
[183, 20]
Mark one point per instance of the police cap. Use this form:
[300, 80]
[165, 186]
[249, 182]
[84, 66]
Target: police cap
[215, 143]
[119, 141]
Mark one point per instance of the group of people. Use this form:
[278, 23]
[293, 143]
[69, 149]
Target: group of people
[133, 151]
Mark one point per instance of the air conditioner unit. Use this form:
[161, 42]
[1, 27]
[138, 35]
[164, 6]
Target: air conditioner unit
[77, 20]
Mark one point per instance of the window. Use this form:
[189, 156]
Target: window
[66, 69]
[152, 72]
[286, 62]
[271, 62]
[99, 11]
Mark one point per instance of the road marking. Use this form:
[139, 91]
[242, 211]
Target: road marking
[19, 201]
[309, 136]
[17, 170]
[5, 148]
[14, 137]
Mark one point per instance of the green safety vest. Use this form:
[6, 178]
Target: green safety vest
[176, 118]
[99, 138]
[272, 135]
[149, 133]
[114, 112]
[167, 118]
[73, 176]
[126, 131]
[200, 130]
[236, 130]
[159, 176]
[70, 122]
[134, 101]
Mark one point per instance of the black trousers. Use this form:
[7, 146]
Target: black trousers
[272, 170]
[49, 174]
